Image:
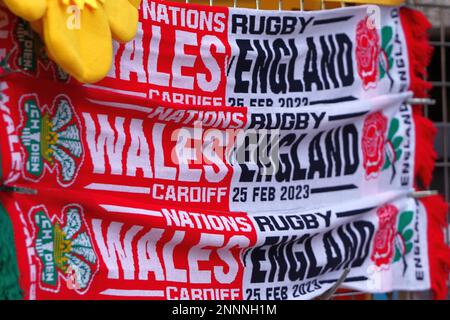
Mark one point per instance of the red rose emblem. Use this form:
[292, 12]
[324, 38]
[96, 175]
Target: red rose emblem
[367, 53]
[373, 142]
[383, 245]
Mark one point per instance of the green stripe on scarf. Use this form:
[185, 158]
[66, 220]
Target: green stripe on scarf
[9, 271]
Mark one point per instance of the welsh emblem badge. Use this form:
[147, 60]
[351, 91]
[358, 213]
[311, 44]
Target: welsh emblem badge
[51, 139]
[64, 249]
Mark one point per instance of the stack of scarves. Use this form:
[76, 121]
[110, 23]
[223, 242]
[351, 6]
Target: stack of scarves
[229, 154]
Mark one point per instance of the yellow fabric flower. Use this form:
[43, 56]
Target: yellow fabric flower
[80, 40]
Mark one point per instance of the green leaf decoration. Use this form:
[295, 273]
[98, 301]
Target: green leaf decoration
[386, 36]
[390, 60]
[393, 128]
[389, 53]
[397, 255]
[405, 219]
[407, 235]
[397, 142]
[387, 163]
[382, 71]
[409, 247]
[398, 154]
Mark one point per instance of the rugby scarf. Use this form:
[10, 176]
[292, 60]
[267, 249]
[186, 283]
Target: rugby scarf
[236, 159]
[161, 159]
[215, 56]
[75, 246]
[132, 198]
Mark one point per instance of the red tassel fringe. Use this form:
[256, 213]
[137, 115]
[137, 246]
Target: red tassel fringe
[420, 51]
[438, 251]
[426, 156]
[416, 27]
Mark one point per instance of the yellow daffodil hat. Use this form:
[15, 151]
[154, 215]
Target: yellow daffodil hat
[78, 33]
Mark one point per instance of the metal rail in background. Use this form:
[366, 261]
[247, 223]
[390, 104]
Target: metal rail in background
[438, 11]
